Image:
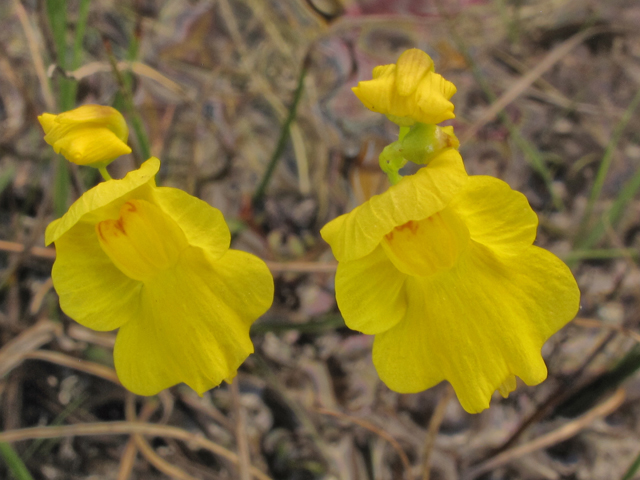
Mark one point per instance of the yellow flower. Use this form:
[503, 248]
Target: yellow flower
[409, 91]
[442, 270]
[155, 262]
[89, 135]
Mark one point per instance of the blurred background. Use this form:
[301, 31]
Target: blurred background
[225, 92]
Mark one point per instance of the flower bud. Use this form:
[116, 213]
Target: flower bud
[91, 135]
[408, 91]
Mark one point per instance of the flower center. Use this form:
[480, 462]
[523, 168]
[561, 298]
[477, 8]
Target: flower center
[425, 247]
[143, 241]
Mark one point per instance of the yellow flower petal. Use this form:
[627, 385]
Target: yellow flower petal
[496, 216]
[203, 225]
[412, 66]
[415, 197]
[409, 91]
[143, 241]
[358, 299]
[477, 324]
[508, 386]
[97, 115]
[92, 290]
[88, 146]
[88, 135]
[193, 324]
[98, 203]
[427, 246]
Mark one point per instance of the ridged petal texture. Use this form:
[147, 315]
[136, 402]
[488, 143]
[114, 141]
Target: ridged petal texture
[408, 91]
[459, 293]
[89, 135]
[155, 262]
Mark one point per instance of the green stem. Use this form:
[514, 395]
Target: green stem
[104, 173]
[134, 116]
[282, 141]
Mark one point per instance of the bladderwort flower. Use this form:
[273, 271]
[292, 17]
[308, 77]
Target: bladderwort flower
[441, 267]
[155, 262]
[408, 91]
[442, 270]
[89, 135]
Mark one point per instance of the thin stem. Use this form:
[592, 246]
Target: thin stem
[284, 135]
[134, 115]
[104, 173]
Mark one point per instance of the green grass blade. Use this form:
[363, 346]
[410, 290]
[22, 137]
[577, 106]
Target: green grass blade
[633, 468]
[81, 26]
[614, 214]
[57, 13]
[61, 186]
[531, 154]
[42, 442]
[591, 393]
[134, 117]
[6, 177]
[607, 158]
[14, 463]
[282, 140]
[600, 254]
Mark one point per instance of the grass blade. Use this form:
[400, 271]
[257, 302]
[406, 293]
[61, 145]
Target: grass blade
[136, 121]
[607, 158]
[282, 140]
[14, 463]
[633, 468]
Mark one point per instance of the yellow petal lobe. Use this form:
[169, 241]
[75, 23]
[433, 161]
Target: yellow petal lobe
[360, 302]
[193, 323]
[412, 66]
[415, 197]
[105, 199]
[477, 324]
[143, 241]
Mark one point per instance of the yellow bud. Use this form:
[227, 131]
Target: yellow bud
[408, 91]
[143, 241]
[89, 135]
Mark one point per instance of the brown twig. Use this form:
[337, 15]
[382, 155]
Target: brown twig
[527, 80]
[14, 352]
[75, 363]
[143, 445]
[125, 428]
[593, 323]
[552, 438]
[129, 455]
[241, 432]
[372, 428]
[432, 432]
[36, 56]
[197, 403]
[560, 394]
